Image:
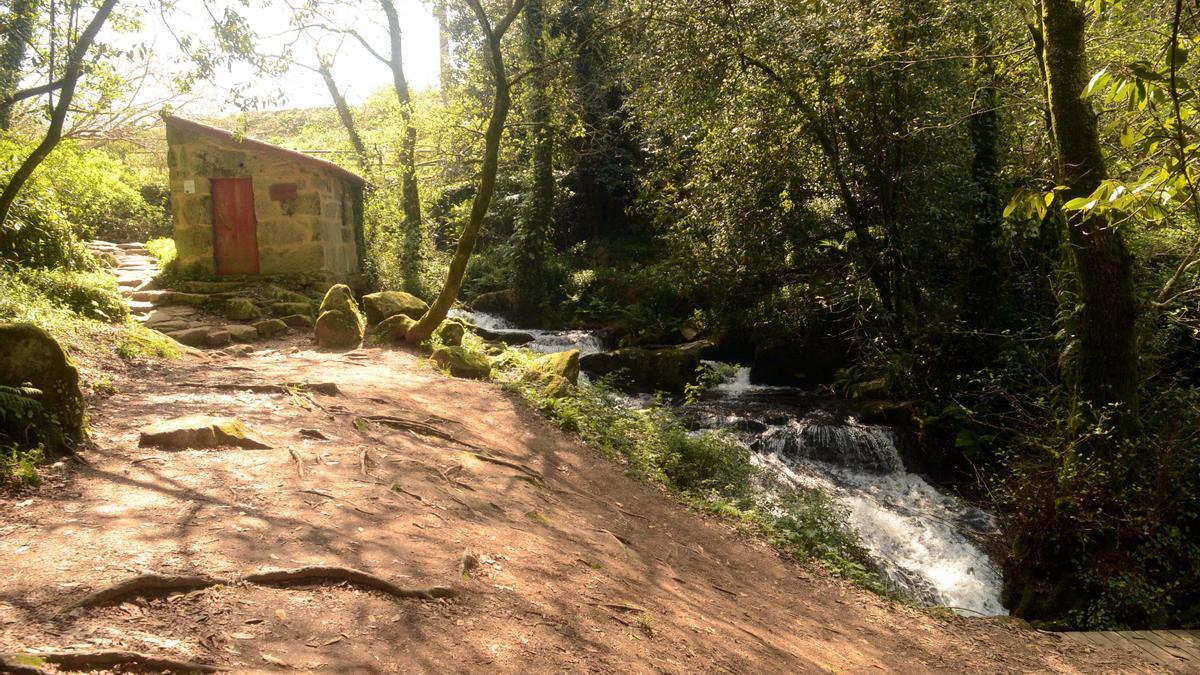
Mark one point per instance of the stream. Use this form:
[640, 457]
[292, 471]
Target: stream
[924, 542]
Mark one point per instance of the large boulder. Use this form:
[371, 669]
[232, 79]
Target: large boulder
[29, 356]
[668, 369]
[463, 362]
[198, 431]
[395, 328]
[496, 302]
[555, 372]
[338, 323]
[271, 327]
[382, 306]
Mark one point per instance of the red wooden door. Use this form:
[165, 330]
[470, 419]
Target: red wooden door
[235, 229]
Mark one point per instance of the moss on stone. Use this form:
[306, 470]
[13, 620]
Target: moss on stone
[395, 328]
[270, 328]
[241, 309]
[282, 309]
[381, 306]
[451, 333]
[463, 362]
[338, 329]
[29, 356]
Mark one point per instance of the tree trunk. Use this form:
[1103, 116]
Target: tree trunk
[58, 117]
[501, 103]
[410, 197]
[12, 54]
[445, 66]
[343, 110]
[1106, 372]
[983, 271]
[532, 238]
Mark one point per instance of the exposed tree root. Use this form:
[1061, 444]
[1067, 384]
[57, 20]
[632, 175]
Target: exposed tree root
[299, 462]
[418, 427]
[317, 574]
[127, 661]
[531, 473]
[148, 584]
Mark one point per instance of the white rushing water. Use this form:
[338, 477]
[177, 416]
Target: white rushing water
[544, 341]
[918, 536]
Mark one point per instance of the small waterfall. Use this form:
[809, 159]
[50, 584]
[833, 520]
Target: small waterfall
[920, 538]
[544, 341]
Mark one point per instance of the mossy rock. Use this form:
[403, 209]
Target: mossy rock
[282, 309]
[395, 328]
[563, 364]
[280, 294]
[199, 431]
[29, 356]
[270, 328]
[178, 298]
[339, 297]
[463, 362]
[298, 321]
[451, 333]
[667, 369]
[496, 302]
[382, 306]
[241, 309]
[338, 329]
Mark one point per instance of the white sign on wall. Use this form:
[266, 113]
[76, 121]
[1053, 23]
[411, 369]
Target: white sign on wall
[189, 187]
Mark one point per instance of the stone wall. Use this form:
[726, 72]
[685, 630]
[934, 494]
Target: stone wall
[311, 230]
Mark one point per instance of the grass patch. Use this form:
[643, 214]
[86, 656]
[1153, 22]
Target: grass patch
[709, 471]
[163, 250]
[21, 466]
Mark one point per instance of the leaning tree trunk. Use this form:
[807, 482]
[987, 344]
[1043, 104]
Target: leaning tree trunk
[58, 117]
[410, 197]
[1106, 373]
[12, 54]
[343, 110]
[532, 237]
[501, 103]
[983, 272]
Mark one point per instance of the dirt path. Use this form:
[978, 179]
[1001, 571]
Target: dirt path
[575, 566]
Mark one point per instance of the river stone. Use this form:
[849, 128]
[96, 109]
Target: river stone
[241, 309]
[338, 329]
[451, 333]
[385, 305]
[564, 364]
[298, 321]
[395, 328]
[463, 362]
[29, 356]
[198, 431]
[270, 328]
[667, 369]
[241, 332]
[282, 309]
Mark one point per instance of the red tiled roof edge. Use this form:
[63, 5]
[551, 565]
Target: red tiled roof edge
[254, 143]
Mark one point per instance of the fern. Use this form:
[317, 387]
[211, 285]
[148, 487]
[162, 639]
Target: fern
[19, 404]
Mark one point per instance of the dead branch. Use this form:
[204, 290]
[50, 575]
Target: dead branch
[325, 574]
[299, 463]
[148, 584]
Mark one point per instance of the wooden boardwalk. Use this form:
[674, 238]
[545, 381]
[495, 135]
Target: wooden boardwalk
[1178, 650]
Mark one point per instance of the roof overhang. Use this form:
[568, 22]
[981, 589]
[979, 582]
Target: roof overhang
[184, 124]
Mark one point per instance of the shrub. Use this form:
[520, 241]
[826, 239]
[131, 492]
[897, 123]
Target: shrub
[90, 294]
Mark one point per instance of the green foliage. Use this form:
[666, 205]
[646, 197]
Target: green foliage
[20, 408]
[90, 294]
[163, 250]
[21, 466]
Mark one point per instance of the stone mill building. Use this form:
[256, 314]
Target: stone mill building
[243, 208]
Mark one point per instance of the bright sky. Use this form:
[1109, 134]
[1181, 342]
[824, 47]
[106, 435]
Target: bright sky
[358, 74]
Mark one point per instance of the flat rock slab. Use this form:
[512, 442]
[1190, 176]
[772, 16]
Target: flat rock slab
[199, 431]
